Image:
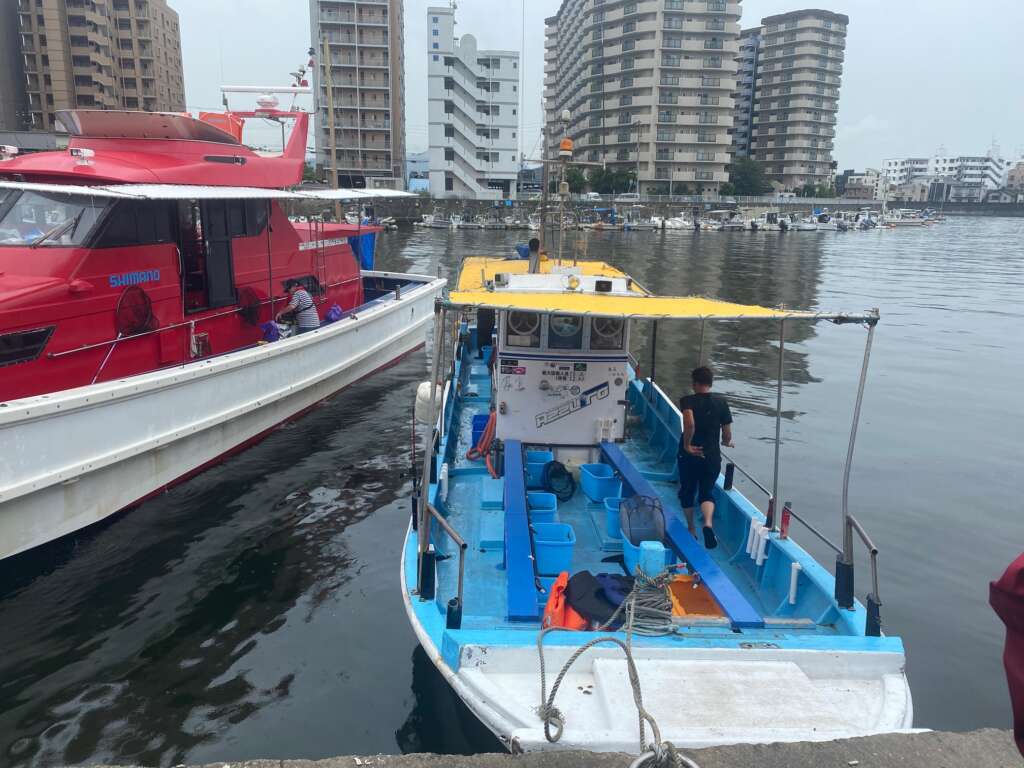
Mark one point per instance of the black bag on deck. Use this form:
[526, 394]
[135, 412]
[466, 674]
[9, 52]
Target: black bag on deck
[585, 595]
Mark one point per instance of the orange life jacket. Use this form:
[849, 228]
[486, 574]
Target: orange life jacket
[558, 612]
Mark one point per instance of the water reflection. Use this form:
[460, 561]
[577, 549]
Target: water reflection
[254, 611]
[139, 647]
[439, 721]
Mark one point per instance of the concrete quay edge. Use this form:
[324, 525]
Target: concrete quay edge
[986, 748]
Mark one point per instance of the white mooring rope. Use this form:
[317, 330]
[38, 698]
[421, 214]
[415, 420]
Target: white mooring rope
[648, 610]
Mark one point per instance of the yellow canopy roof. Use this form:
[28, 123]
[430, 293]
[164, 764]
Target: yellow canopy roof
[478, 274]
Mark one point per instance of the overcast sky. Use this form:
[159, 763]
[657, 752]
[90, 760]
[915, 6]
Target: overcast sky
[919, 74]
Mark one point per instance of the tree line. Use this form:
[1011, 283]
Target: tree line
[747, 178]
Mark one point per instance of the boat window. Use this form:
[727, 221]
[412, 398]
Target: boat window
[607, 332]
[523, 329]
[246, 218]
[47, 218]
[137, 223]
[565, 332]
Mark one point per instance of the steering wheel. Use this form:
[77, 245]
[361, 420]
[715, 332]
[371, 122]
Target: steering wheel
[524, 323]
[607, 327]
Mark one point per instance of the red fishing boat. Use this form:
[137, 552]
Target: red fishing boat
[141, 271]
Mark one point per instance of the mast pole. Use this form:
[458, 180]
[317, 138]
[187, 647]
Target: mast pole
[423, 525]
[844, 567]
[778, 423]
[329, 82]
[544, 183]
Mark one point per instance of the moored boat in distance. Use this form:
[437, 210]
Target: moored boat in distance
[141, 274]
[548, 458]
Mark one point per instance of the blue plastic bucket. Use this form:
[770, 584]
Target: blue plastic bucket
[631, 556]
[612, 522]
[479, 425]
[598, 482]
[553, 544]
[542, 505]
[535, 463]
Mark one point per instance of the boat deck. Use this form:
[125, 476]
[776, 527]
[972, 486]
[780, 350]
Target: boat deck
[474, 505]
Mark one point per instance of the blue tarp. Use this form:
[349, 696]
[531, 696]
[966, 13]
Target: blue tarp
[363, 246]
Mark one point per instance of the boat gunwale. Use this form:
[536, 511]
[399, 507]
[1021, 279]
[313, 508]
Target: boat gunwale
[90, 395]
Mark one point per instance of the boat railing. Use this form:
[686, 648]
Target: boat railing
[873, 626]
[454, 620]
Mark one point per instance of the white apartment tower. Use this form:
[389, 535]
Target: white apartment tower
[359, 82]
[473, 108]
[798, 73]
[649, 84]
[988, 171]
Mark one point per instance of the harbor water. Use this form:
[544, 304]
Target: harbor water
[254, 611]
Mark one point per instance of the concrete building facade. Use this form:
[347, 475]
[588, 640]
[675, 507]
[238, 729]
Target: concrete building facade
[649, 85]
[747, 61]
[984, 172]
[472, 114]
[1015, 177]
[799, 74]
[100, 54]
[14, 114]
[359, 83]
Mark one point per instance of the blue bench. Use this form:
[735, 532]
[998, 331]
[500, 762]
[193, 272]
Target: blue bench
[520, 587]
[739, 610]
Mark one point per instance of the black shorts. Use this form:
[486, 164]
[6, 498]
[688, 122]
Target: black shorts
[697, 477]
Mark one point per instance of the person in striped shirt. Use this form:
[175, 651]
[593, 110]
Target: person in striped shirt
[301, 303]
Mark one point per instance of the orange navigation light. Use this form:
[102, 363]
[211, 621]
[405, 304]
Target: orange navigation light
[565, 148]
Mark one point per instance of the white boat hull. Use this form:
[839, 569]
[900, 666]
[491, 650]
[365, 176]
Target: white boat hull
[700, 697]
[78, 456]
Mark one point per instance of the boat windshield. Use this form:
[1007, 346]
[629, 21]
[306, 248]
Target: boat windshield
[47, 218]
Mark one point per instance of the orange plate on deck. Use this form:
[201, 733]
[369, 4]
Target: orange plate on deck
[690, 601]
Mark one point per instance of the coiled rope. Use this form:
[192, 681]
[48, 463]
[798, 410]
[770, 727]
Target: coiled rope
[648, 609]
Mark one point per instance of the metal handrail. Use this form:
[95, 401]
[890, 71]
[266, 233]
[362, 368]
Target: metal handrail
[854, 523]
[831, 544]
[459, 542]
[750, 477]
[184, 323]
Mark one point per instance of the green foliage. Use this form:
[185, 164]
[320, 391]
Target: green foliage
[577, 180]
[727, 189]
[608, 181]
[309, 173]
[747, 177]
[816, 190]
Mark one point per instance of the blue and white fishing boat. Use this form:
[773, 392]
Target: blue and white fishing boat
[753, 641]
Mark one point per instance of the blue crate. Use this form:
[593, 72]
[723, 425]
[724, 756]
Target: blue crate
[598, 482]
[479, 425]
[542, 506]
[613, 525]
[553, 545]
[535, 463]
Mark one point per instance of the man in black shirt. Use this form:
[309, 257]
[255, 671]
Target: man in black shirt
[707, 422]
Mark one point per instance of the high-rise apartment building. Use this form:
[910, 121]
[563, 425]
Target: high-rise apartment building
[100, 54]
[14, 115]
[743, 121]
[649, 85]
[360, 87]
[798, 74]
[473, 108]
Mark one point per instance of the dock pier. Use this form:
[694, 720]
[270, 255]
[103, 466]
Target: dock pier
[988, 748]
